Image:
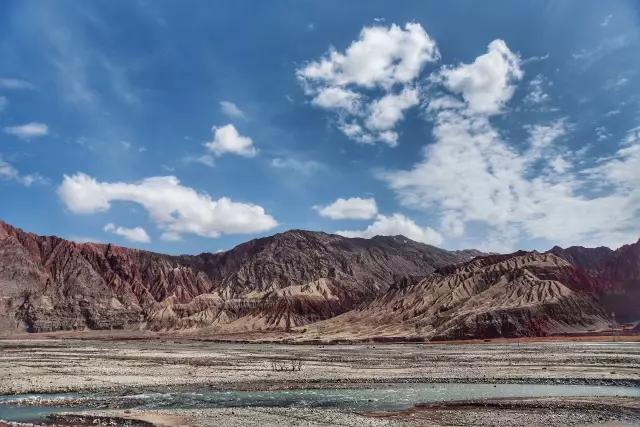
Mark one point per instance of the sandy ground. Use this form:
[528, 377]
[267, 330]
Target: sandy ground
[59, 365]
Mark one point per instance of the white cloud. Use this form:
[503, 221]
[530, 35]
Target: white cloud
[622, 170]
[382, 56]
[487, 83]
[537, 94]
[472, 174]
[370, 85]
[602, 133]
[388, 110]
[28, 130]
[9, 173]
[232, 110]
[174, 208]
[226, 139]
[606, 20]
[542, 137]
[396, 224]
[559, 164]
[14, 84]
[352, 208]
[136, 234]
[337, 98]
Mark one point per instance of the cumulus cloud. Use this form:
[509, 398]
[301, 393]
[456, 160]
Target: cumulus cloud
[135, 234]
[388, 110]
[174, 208]
[352, 208]
[226, 139]
[382, 56]
[9, 173]
[232, 110]
[337, 98]
[488, 82]
[396, 224]
[28, 130]
[472, 174]
[371, 84]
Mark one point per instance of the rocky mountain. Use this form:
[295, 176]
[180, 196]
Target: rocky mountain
[619, 268]
[521, 294]
[286, 280]
[316, 286]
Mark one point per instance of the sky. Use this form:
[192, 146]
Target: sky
[188, 127]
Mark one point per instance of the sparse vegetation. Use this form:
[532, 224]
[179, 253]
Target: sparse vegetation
[292, 365]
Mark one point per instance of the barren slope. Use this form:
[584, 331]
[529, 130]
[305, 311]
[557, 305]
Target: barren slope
[522, 294]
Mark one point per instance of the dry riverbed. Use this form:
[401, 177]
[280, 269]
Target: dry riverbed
[135, 366]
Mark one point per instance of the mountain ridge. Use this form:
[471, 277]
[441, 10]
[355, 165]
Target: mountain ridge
[50, 283]
[305, 282]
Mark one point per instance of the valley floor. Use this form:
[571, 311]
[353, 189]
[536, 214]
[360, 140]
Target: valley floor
[169, 365]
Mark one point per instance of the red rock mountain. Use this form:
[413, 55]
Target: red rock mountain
[619, 268]
[315, 285]
[521, 294]
[286, 280]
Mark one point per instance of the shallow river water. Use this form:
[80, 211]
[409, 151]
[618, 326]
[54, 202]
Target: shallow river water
[35, 407]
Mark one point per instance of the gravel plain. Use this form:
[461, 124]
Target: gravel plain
[132, 366]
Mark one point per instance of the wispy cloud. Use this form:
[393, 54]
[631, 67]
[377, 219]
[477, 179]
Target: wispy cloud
[304, 167]
[14, 84]
[204, 159]
[231, 110]
[28, 130]
[9, 173]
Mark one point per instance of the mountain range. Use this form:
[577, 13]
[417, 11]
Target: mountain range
[314, 285]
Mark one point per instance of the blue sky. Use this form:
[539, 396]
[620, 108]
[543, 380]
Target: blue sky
[184, 127]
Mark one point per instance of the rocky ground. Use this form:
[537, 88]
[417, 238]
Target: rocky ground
[523, 412]
[492, 412]
[73, 365]
[42, 366]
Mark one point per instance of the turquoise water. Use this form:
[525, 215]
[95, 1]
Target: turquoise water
[383, 397]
